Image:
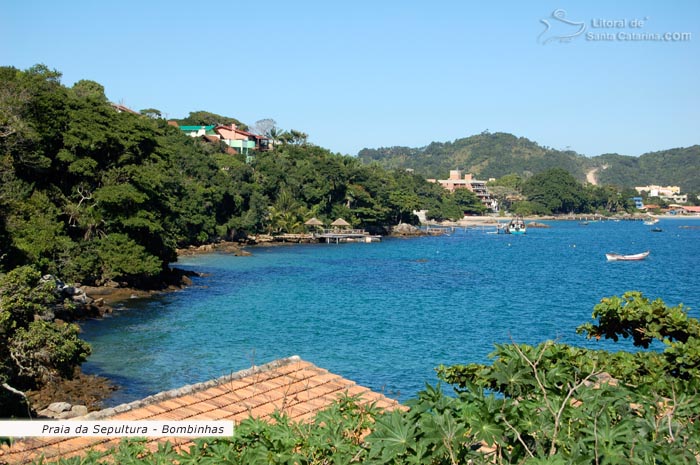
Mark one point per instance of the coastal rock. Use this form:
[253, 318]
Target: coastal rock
[82, 299]
[59, 407]
[536, 225]
[72, 411]
[405, 229]
[82, 390]
[79, 410]
[71, 291]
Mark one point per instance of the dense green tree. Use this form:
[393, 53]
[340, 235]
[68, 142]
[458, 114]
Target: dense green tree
[37, 231]
[89, 90]
[469, 202]
[527, 208]
[557, 191]
[205, 118]
[608, 199]
[151, 113]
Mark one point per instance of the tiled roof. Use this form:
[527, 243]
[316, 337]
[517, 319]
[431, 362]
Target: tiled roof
[213, 139]
[289, 385]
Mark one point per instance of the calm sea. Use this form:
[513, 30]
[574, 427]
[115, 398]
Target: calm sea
[385, 314]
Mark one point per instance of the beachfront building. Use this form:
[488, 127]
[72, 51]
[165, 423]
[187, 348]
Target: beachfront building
[478, 187]
[691, 210]
[638, 203]
[667, 193]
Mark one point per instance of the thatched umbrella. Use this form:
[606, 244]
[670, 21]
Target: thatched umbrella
[315, 222]
[340, 222]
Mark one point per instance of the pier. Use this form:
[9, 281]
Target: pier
[328, 236]
[346, 235]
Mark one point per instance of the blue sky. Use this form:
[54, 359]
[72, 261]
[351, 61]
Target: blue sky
[370, 74]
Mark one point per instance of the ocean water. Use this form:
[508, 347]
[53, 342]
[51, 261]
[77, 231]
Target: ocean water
[386, 314]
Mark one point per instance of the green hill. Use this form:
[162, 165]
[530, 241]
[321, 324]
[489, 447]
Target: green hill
[488, 155]
[678, 167]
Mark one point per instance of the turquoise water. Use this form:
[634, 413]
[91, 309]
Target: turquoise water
[385, 314]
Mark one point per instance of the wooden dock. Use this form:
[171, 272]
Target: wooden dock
[329, 236]
[346, 235]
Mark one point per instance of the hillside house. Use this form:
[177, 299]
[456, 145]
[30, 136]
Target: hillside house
[124, 109]
[242, 141]
[237, 140]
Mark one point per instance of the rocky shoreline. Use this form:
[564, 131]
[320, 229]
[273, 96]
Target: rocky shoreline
[82, 393]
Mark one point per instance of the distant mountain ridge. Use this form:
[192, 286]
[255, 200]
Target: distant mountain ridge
[492, 155]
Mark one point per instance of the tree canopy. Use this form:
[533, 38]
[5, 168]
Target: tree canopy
[205, 118]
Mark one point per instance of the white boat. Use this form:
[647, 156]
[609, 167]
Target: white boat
[516, 226]
[651, 222]
[616, 257]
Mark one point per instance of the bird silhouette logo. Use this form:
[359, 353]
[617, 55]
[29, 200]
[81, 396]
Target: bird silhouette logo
[559, 28]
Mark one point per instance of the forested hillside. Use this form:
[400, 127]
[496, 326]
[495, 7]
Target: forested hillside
[95, 195]
[676, 167]
[488, 155]
[492, 155]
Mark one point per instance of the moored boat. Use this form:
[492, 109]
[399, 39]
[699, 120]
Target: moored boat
[516, 226]
[612, 257]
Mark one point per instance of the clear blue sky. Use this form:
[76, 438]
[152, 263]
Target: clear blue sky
[370, 74]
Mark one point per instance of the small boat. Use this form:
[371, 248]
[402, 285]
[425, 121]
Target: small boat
[657, 229]
[616, 257]
[651, 222]
[516, 226]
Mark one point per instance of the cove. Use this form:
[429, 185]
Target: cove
[386, 314]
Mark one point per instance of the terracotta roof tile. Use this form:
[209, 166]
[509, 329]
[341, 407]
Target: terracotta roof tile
[291, 385]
